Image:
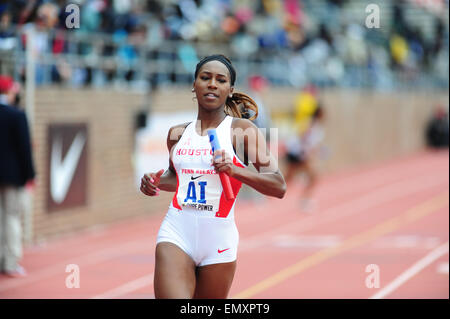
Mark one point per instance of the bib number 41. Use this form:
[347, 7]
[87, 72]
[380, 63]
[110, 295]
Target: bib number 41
[191, 193]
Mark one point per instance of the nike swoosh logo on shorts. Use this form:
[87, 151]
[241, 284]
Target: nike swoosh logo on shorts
[221, 251]
[192, 177]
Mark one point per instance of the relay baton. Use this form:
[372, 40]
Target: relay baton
[224, 178]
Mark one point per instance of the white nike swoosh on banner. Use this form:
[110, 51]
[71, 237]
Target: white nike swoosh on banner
[62, 171]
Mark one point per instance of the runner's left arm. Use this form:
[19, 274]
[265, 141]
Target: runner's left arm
[251, 145]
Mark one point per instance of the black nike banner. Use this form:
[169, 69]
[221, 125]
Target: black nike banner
[67, 165]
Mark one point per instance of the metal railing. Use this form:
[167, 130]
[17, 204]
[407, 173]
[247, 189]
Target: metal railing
[100, 60]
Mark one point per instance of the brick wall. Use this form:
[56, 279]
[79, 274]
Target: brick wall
[361, 127]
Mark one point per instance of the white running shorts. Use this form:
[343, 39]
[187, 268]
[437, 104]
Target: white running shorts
[207, 240]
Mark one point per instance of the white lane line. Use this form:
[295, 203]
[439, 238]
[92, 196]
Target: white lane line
[305, 241]
[442, 268]
[366, 180]
[92, 258]
[127, 288]
[345, 209]
[412, 271]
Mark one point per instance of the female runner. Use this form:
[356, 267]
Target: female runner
[197, 242]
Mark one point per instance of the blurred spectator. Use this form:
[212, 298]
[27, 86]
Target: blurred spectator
[16, 169]
[399, 50]
[294, 42]
[305, 105]
[257, 86]
[303, 147]
[7, 43]
[437, 130]
[6, 31]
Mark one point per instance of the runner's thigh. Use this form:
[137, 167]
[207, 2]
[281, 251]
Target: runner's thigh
[214, 281]
[174, 272]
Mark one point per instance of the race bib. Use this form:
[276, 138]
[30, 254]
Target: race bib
[199, 189]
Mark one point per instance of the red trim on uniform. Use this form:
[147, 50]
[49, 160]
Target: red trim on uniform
[225, 205]
[174, 200]
[235, 162]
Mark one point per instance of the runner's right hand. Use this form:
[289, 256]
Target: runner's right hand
[150, 182]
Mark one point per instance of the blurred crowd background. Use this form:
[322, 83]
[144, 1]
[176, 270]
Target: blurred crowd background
[146, 44]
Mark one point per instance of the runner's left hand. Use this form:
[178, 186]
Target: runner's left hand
[222, 162]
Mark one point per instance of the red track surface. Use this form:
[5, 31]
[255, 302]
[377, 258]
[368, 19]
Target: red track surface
[393, 215]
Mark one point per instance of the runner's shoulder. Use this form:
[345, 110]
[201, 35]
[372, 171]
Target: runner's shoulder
[175, 133]
[243, 123]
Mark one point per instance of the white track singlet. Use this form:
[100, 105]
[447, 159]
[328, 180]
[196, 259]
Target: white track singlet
[200, 219]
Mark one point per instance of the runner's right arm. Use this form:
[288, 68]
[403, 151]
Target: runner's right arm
[152, 183]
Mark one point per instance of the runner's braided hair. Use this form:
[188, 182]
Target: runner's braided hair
[240, 104]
